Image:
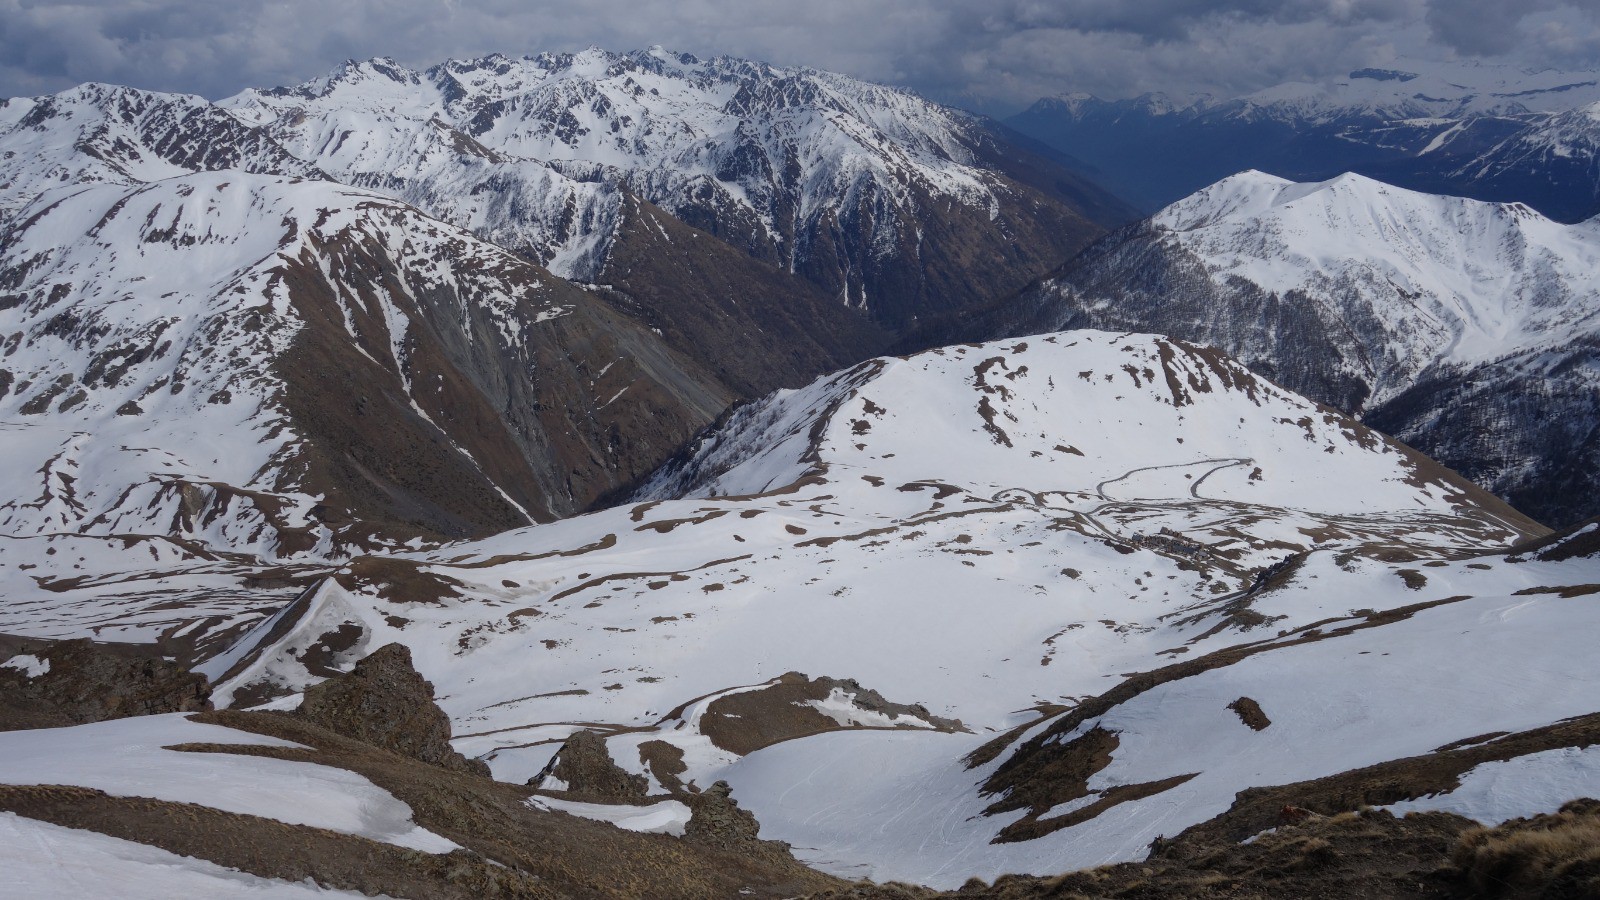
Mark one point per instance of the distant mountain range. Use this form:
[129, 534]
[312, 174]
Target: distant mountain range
[1473, 130]
[532, 278]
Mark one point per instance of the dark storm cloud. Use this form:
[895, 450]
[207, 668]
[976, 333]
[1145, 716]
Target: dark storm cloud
[986, 53]
[1481, 27]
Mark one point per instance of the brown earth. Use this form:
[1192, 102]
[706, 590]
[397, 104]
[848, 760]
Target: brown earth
[754, 325]
[586, 766]
[745, 722]
[1250, 713]
[535, 415]
[1547, 856]
[716, 821]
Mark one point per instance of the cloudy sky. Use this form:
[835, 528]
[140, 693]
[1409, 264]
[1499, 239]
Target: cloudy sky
[993, 55]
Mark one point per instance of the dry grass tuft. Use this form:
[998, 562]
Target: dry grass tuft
[1545, 856]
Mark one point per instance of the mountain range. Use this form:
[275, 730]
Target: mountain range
[1479, 130]
[495, 480]
[539, 310]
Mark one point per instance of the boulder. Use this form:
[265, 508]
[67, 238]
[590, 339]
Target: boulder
[385, 702]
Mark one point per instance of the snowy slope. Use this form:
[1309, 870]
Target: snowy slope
[1178, 754]
[171, 343]
[1448, 281]
[666, 122]
[138, 398]
[130, 758]
[1465, 328]
[984, 531]
[49, 862]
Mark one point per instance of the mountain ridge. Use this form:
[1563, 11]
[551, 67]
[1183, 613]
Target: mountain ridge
[1493, 133]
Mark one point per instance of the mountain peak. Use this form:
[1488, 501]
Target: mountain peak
[1350, 198]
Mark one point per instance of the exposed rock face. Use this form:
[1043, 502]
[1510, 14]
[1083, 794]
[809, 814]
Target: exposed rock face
[385, 702]
[717, 821]
[53, 683]
[586, 767]
[755, 326]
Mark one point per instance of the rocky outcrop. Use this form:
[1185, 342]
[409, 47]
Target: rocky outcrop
[717, 821]
[795, 706]
[583, 765]
[52, 683]
[383, 701]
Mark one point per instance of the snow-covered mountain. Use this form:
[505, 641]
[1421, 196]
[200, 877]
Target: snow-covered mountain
[682, 322]
[1466, 329]
[99, 133]
[955, 548]
[782, 198]
[868, 191]
[885, 201]
[281, 366]
[1490, 132]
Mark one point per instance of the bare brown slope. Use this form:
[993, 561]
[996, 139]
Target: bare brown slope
[954, 257]
[754, 325]
[904, 258]
[527, 410]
